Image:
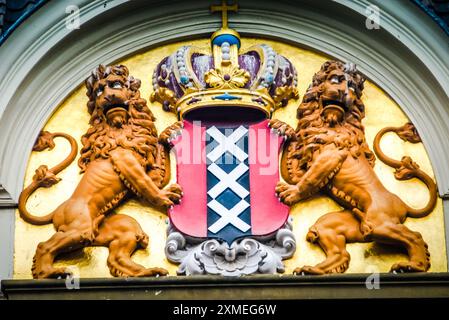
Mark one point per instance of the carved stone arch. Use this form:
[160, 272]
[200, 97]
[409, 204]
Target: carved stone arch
[406, 57]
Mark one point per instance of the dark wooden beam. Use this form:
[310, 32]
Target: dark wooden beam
[350, 286]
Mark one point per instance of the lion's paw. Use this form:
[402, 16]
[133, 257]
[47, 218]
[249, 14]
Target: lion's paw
[171, 133]
[288, 193]
[175, 188]
[308, 270]
[282, 129]
[51, 273]
[168, 197]
[153, 272]
[409, 266]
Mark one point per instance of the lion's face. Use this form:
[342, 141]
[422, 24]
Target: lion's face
[337, 97]
[336, 88]
[112, 96]
[119, 117]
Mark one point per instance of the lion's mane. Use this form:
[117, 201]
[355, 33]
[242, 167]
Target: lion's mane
[139, 134]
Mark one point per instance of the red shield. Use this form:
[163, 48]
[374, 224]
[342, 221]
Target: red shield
[228, 174]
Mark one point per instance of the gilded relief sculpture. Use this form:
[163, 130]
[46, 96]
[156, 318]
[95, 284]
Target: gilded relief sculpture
[330, 155]
[120, 157]
[239, 171]
[230, 221]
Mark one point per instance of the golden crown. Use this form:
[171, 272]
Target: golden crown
[258, 79]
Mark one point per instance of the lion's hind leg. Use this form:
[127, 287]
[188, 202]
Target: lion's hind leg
[332, 231]
[123, 236]
[60, 242]
[417, 250]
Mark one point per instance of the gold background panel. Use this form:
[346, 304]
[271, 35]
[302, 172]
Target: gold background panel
[72, 117]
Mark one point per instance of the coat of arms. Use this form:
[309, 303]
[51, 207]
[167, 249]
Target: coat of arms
[237, 169]
[230, 221]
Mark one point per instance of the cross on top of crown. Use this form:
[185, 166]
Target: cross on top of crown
[224, 8]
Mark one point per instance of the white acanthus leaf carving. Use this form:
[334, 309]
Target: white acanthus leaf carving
[245, 256]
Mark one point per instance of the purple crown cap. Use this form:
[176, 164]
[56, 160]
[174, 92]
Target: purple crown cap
[187, 67]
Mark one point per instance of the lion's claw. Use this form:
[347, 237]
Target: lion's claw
[282, 129]
[153, 272]
[176, 188]
[409, 266]
[287, 193]
[50, 272]
[308, 270]
[170, 196]
[171, 133]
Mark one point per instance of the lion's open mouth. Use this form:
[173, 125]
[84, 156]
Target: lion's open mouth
[335, 104]
[114, 107]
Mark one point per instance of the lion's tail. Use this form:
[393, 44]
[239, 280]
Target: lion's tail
[45, 177]
[406, 168]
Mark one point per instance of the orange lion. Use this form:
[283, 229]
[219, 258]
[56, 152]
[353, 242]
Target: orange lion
[329, 154]
[120, 156]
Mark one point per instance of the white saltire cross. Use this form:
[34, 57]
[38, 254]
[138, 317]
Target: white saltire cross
[228, 180]
[229, 216]
[227, 143]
